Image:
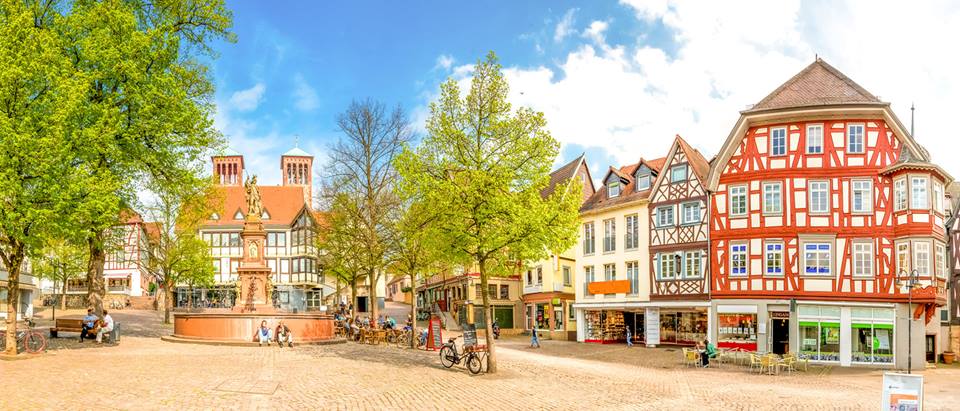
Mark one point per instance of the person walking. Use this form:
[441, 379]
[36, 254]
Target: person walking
[534, 338]
[629, 338]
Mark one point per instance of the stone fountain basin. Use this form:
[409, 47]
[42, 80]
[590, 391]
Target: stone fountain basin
[230, 327]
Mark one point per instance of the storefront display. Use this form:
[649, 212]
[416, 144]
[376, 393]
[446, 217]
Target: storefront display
[820, 333]
[737, 331]
[872, 334]
[684, 328]
[604, 326]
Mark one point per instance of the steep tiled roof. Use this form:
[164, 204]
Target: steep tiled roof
[128, 216]
[818, 84]
[628, 193]
[564, 173]
[700, 165]
[282, 203]
[153, 231]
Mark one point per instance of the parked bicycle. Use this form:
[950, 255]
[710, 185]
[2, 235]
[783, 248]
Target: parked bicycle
[403, 339]
[29, 340]
[472, 356]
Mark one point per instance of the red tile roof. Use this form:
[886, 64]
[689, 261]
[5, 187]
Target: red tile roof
[153, 230]
[628, 193]
[699, 164]
[816, 85]
[564, 173]
[282, 203]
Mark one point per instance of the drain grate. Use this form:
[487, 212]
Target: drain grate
[249, 386]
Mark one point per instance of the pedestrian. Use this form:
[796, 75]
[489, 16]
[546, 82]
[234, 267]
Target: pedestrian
[629, 338]
[534, 338]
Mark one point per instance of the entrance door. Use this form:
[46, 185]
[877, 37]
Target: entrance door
[931, 348]
[781, 336]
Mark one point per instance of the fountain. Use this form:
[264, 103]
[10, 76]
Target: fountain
[238, 326]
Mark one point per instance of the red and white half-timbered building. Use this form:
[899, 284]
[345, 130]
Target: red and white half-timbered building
[821, 200]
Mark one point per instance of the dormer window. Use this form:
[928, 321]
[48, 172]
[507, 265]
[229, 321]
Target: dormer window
[643, 182]
[265, 215]
[238, 215]
[214, 216]
[613, 189]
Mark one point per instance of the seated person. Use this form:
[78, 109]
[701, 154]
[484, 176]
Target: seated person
[89, 324]
[263, 333]
[283, 335]
[709, 351]
[106, 327]
[391, 323]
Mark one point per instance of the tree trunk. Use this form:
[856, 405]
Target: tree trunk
[63, 295]
[167, 300]
[413, 313]
[13, 297]
[337, 302]
[353, 298]
[190, 299]
[492, 353]
[95, 286]
[374, 307]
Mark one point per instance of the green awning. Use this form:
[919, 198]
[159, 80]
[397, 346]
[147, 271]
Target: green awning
[822, 324]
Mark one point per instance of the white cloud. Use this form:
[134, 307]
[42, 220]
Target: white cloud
[595, 32]
[565, 26]
[444, 61]
[249, 99]
[304, 96]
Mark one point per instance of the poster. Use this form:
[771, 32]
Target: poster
[902, 392]
[883, 339]
[831, 335]
[653, 326]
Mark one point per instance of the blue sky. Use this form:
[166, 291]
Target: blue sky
[616, 80]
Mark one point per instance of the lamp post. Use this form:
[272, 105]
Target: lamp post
[910, 281]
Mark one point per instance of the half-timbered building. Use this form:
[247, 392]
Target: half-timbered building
[678, 248]
[821, 202]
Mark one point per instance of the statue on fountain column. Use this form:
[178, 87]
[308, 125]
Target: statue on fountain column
[254, 204]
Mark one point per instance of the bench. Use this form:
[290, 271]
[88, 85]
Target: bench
[73, 325]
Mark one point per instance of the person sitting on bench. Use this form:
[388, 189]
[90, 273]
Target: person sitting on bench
[106, 328]
[89, 324]
[263, 333]
[283, 335]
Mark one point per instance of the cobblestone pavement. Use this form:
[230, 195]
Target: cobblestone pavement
[143, 372]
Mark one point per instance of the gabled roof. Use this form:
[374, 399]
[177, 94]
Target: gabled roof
[628, 193]
[284, 202]
[817, 84]
[128, 216]
[564, 173]
[297, 152]
[153, 231]
[228, 152]
[699, 165]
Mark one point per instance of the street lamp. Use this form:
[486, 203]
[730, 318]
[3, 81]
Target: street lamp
[910, 281]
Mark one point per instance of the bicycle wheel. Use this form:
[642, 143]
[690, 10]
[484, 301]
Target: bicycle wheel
[34, 342]
[403, 341]
[473, 363]
[447, 357]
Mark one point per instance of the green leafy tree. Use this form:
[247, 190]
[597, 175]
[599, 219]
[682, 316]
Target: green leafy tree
[416, 252]
[480, 170]
[339, 248]
[62, 261]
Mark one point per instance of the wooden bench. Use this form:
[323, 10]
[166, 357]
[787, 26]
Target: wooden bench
[73, 325]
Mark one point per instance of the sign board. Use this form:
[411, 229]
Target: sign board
[434, 339]
[782, 315]
[609, 287]
[469, 335]
[555, 301]
[652, 318]
[902, 392]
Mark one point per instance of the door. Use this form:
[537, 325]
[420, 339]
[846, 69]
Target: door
[504, 316]
[781, 336]
[931, 348]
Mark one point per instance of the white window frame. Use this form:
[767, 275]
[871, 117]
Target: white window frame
[773, 207]
[610, 272]
[773, 141]
[589, 276]
[867, 202]
[666, 263]
[772, 248]
[693, 264]
[742, 192]
[645, 179]
[694, 216]
[613, 189]
[863, 259]
[940, 260]
[609, 235]
[821, 256]
[743, 251]
[633, 276]
[903, 255]
[826, 197]
[661, 212]
[900, 194]
[922, 258]
[937, 196]
[919, 193]
[631, 239]
[862, 141]
[590, 239]
[819, 145]
[674, 171]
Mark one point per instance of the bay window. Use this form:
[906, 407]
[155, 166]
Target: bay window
[921, 258]
[918, 193]
[900, 194]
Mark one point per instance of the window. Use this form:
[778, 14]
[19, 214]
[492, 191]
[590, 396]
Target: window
[613, 189]
[588, 277]
[643, 182]
[772, 198]
[609, 272]
[667, 266]
[815, 139]
[738, 259]
[589, 239]
[773, 258]
[941, 260]
[855, 138]
[691, 213]
[609, 235]
[529, 277]
[504, 292]
[738, 200]
[539, 275]
[238, 215]
[631, 239]
[692, 264]
[862, 200]
[903, 259]
[863, 259]
[937, 196]
[921, 258]
[664, 216]
[633, 275]
[678, 173]
[900, 194]
[816, 258]
[819, 197]
[567, 280]
[778, 141]
[918, 192]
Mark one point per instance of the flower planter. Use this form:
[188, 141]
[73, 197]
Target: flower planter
[949, 356]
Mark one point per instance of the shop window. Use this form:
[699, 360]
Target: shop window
[602, 326]
[558, 318]
[815, 139]
[773, 259]
[819, 328]
[738, 260]
[872, 335]
[737, 331]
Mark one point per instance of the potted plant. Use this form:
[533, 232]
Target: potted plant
[949, 356]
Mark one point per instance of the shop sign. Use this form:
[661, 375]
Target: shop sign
[555, 301]
[609, 287]
[902, 392]
[469, 335]
[782, 315]
[653, 325]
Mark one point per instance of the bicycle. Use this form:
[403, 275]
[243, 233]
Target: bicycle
[403, 339]
[472, 356]
[29, 340]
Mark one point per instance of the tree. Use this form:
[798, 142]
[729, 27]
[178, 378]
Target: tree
[416, 251]
[339, 248]
[480, 170]
[361, 177]
[178, 255]
[62, 261]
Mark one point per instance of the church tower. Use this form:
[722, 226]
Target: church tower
[296, 167]
[228, 168]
